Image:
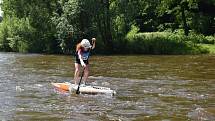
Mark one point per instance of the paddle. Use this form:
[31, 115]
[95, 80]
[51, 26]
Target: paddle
[78, 91]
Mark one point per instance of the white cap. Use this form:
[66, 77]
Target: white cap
[85, 43]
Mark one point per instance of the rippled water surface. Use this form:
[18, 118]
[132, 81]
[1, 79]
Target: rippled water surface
[152, 88]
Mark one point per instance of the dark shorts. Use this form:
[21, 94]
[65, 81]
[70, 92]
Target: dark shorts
[79, 62]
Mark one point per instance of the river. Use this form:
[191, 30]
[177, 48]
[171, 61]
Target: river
[149, 87]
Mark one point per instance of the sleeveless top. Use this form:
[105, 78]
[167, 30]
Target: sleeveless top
[85, 54]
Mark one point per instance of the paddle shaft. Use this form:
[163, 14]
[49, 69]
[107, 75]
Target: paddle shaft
[78, 89]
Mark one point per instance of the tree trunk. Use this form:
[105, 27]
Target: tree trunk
[103, 22]
[101, 29]
[108, 34]
[186, 31]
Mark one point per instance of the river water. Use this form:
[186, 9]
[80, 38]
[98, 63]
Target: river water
[152, 88]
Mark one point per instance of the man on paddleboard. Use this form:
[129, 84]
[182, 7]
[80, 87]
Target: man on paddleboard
[82, 58]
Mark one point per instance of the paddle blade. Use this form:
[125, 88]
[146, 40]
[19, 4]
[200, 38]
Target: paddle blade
[77, 91]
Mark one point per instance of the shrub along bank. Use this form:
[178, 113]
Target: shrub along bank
[164, 43]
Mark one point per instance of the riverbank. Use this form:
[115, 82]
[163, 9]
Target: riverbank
[210, 47]
[150, 43]
[165, 43]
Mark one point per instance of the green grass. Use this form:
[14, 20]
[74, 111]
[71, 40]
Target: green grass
[162, 43]
[210, 47]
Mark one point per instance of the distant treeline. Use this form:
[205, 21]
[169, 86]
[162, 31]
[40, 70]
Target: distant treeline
[120, 26]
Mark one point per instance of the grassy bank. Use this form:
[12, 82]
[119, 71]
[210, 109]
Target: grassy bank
[210, 47]
[159, 43]
[164, 43]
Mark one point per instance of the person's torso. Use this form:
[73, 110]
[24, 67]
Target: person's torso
[85, 55]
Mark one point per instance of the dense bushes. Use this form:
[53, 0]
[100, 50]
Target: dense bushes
[161, 43]
[15, 35]
[202, 39]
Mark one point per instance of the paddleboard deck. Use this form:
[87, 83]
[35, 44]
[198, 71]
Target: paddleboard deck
[84, 89]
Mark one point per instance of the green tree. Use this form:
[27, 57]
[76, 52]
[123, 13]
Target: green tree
[189, 14]
[38, 13]
[56, 26]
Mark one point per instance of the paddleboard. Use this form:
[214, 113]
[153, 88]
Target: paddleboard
[84, 89]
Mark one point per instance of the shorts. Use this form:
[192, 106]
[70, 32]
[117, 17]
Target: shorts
[79, 62]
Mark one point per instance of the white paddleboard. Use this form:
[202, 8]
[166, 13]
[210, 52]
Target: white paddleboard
[84, 89]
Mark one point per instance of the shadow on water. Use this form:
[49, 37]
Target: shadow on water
[148, 88]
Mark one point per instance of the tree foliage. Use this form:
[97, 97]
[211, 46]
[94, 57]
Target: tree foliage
[56, 26]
